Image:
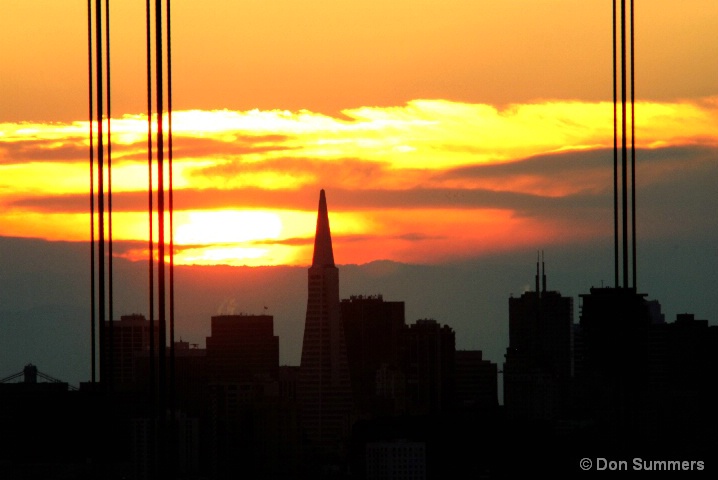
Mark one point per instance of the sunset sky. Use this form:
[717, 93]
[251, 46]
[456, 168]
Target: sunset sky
[440, 130]
[455, 138]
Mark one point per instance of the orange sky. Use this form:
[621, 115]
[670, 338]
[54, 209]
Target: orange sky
[440, 130]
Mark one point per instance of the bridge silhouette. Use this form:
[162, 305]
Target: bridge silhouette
[30, 374]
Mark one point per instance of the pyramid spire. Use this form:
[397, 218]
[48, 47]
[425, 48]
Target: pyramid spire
[323, 253]
[324, 387]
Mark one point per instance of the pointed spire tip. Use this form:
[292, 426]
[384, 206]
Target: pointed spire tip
[323, 252]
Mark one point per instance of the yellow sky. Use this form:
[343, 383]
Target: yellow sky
[326, 56]
[439, 129]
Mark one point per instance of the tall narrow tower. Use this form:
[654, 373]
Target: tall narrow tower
[324, 387]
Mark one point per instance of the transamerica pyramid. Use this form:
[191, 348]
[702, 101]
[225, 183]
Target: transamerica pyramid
[324, 388]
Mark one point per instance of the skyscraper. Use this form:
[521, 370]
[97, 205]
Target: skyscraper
[475, 381]
[243, 348]
[324, 388]
[539, 358]
[429, 366]
[250, 426]
[373, 329]
[130, 346]
[616, 328]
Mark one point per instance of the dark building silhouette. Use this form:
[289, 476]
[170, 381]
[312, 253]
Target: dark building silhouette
[475, 381]
[374, 330]
[539, 358]
[132, 385]
[430, 350]
[646, 382]
[253, 429]
[130, 343]
[191, 377]
[614, 368]
[37, 415]
[186, 414]
[243, 348]
[683, 385]
[288, 378]
[396, 459]
[324, 389]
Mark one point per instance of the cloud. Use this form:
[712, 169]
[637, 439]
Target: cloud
[342, 200]
[431, 177]
[295, 172]
[40, 150]
[422, 134]
[579, 171]
[559, 181]
[228, 147]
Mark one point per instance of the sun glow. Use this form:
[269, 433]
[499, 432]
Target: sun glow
[226, 226]
[257, 256]
[222, 255]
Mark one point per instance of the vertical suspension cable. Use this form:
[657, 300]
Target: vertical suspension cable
[171, 209]
[150, 207]
[633, 158]
[162, 373]
[101, 192]
[173, 445]
[615, 156]
[160, 181]
[110, 333]
[623, 144]
[151, 282]
[92, 197]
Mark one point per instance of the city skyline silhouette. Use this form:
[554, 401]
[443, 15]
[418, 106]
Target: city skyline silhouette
[237, 362]
[425, 217]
